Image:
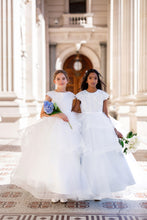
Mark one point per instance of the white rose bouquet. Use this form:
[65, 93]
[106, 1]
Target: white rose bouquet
[130, 143]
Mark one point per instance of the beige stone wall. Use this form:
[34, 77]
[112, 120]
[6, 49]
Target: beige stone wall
[99, 8]
[55, 10]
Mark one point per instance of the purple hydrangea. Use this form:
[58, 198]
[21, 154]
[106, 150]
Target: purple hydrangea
[48, 107]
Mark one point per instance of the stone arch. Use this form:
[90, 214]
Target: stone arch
[83, 50]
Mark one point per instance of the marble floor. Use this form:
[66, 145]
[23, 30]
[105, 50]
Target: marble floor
[17, 204]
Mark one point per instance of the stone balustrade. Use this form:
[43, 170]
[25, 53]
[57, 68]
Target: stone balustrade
[78, 19]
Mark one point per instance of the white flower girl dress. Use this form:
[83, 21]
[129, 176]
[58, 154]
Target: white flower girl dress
[50, 163]
[103, 162]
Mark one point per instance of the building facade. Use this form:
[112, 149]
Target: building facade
[40, 36]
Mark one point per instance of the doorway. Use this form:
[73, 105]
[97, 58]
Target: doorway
[75, 66]
[78, 6]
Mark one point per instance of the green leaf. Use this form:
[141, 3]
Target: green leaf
[56, 109]
[125, 150]
[55, 106]
[130, 134]
[121, 142]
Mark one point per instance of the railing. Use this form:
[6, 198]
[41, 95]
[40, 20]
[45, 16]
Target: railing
[78, 20]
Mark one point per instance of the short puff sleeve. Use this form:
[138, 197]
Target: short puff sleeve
[105, 95]
[50, 94]
[79, 95]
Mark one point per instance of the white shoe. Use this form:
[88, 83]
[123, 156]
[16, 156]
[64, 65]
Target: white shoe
[63, 200]
[54, 200]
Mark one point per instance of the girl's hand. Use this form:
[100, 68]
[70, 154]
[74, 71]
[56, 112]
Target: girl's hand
[62, 116]
[119, 135]
[76, 106]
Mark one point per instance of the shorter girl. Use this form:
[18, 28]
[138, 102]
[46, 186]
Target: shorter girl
[50, 164]
[103, 161]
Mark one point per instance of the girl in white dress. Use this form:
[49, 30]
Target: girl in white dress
[102, 160]
[50, 164]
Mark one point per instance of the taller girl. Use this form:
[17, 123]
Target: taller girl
[103, 161]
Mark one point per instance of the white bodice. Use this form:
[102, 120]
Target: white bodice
[92, 102]
[62, 99]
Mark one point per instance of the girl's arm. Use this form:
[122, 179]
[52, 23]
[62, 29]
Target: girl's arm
[105, 110]
[76, 105]
[59, 115]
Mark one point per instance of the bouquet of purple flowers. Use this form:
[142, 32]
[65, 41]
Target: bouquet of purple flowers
[51, 108]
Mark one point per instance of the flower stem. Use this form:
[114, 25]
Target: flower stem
[69, 124]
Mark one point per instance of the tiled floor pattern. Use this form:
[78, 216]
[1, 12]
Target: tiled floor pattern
[18, 204]
[73, 217]
[15, 200]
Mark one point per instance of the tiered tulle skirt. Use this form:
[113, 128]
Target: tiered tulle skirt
[50, 163]
[103, 162]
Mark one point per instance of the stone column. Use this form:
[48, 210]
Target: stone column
[109, 15]
[33, 68]
[122, 58]
[89, 3]
[47, 80]
[127, 48]
[123, 51]
[129, 63]
[66, 5]
[9, 109]
[6, 51]
[31, 50]
[19, 52]
[104, 61]
[128, 66]
[142, 76]
[52, 50]
[115, 47]
[40, 72]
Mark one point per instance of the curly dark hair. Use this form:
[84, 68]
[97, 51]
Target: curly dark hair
[84, 84]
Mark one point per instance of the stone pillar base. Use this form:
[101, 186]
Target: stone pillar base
[15, 114]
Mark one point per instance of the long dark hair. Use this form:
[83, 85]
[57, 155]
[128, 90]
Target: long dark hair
[84, 84]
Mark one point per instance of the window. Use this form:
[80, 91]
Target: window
[77, 6]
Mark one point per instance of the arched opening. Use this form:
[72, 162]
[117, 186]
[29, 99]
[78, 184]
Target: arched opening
[75, 66]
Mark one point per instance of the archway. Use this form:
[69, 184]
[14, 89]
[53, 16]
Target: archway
[75, 66]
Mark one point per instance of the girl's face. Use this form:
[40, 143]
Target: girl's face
[61, 81]
[92, 80]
